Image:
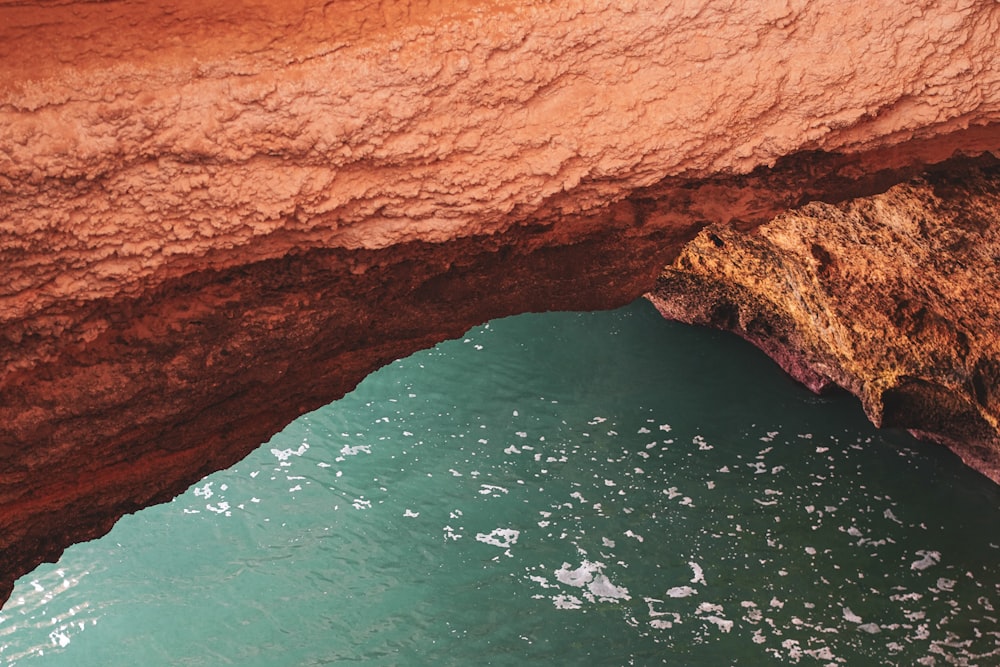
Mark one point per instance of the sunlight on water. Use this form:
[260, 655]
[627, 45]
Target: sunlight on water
[567, 488]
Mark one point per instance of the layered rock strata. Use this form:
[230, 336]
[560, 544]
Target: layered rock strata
[215, 219]
[892, 297]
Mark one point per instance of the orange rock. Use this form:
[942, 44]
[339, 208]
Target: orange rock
[218, 216]
[892, 297]
[140, 144]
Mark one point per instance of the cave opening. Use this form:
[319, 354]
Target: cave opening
[598, 487]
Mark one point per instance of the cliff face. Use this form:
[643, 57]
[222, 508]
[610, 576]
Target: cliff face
[214, 219]
[892, 297]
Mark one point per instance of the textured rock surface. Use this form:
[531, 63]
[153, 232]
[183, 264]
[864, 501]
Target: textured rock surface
[289, 124]
[213, 218]
[892, 297]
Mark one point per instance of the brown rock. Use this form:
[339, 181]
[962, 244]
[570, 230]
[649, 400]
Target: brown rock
[892, 297]
[215, 218]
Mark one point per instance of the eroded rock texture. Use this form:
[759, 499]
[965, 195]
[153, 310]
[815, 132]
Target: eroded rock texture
[892, 297]
[214, 217]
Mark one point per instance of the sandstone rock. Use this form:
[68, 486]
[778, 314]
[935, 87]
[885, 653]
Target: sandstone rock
[214, 218]
[241, 135]
[892, 297]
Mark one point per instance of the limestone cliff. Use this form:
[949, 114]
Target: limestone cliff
[892, 297]
[215, 216]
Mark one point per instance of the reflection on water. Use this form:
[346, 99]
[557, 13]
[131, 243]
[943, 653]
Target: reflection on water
[568, 488]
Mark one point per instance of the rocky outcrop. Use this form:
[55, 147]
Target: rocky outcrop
[214, 219]
[892, 297]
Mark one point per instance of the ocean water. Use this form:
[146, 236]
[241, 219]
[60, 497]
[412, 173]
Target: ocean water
[559, 489]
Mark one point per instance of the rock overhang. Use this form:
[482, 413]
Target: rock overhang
[198, 207]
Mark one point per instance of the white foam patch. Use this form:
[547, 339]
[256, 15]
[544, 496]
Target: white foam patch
[724, 624]
[580, 576]
[284, 454]
[928, 558]
[604, 590]
[499, 537]
[946, 584]
[793, 648]
[681, 592]
[699, 574]
[658, 621]
[823, 653]
[850, 616]
[713, 614]
[221, 508]
[567, 602]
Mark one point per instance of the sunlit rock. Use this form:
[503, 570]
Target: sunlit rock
[892, 297]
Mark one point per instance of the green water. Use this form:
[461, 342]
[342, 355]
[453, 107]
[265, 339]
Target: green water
[559, 489]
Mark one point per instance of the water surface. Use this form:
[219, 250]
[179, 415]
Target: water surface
[560, 489]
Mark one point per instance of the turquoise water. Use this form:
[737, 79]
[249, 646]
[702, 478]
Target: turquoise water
[559, 489]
